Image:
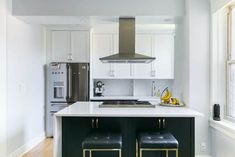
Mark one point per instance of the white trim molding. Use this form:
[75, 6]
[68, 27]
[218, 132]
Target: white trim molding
[3, 80]
[225, 127]
[28, 146]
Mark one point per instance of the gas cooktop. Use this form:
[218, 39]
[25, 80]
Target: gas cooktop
[126, 103]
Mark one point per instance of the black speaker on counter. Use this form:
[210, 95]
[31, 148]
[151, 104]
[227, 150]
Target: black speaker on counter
[216, 112]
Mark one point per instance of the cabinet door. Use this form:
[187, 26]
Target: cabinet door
[143, 46]
[101, 47]
[80, 46]
[121, 70]
[183, 131]
[60, 48]
[74, 130]
[164, 53]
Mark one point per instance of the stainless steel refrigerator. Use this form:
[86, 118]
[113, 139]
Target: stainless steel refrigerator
[67, 84]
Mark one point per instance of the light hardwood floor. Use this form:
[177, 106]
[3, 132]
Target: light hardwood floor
[44, 149]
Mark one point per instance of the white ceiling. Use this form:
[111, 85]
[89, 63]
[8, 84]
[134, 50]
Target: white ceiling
[94, 20]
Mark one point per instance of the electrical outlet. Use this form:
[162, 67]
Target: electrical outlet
[203, 147]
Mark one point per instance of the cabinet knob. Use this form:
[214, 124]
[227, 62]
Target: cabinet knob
[97, 123]
[159, 123]
[92, 123]
[164, 123]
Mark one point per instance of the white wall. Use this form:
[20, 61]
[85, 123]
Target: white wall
[24, 62]
[3, 132]
[222, 145]
[25, 75]
[198, 23]
[181, 62]
[99, 7]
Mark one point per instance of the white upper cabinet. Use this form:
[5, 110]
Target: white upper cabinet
[143, 46]
[80, 46]
[164, 53]
[60, 46]
[69, 46]
[120, 70]
[160, 46]
[104, 44]
[101, 47]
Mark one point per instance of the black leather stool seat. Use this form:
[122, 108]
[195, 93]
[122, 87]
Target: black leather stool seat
[157, 140]
[103, 141]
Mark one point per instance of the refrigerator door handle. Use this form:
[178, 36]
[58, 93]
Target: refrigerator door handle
[69, 89]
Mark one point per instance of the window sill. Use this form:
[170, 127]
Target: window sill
[224, 126]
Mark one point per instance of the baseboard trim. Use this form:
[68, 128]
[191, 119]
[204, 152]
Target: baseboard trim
[27, 146]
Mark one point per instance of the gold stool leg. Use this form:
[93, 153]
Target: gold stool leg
[84, 153]
[177, 152]
[90, 154]
[166, 153]
[120, 153]
[140, 152]
[136, 149]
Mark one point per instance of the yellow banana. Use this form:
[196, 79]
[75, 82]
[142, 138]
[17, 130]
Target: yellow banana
[167, 96]
[175, 101]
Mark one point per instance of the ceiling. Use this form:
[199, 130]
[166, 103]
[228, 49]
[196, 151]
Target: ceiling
[94, 20]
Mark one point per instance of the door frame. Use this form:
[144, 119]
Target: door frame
[3, 79]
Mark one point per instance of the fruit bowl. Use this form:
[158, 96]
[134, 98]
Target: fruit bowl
[171, 105]
[168, 100]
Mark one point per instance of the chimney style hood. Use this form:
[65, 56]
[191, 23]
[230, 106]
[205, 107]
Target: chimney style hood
[127, 45]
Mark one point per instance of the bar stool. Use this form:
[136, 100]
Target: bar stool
[102, 142]
[157, 141]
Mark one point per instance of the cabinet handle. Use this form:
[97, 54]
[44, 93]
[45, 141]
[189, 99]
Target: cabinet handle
[97, 123]
[153, 73]
[111, 73]
[69, 57]
[159, 123]
[164, 123]
[92, 123]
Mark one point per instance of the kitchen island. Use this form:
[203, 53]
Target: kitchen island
[75, 122]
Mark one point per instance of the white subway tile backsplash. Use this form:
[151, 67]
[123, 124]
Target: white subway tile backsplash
[128, 87]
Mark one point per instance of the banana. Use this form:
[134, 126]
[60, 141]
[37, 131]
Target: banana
[167, 96]
[175, 101]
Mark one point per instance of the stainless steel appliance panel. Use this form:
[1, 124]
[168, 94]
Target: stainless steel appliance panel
[57, 82]
[68, 83]
[78, 82]
[83, 82]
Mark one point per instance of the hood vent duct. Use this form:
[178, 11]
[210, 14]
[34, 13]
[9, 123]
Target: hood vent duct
[127, 45]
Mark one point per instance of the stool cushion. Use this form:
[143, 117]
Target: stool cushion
[157, 140]
[102, 141]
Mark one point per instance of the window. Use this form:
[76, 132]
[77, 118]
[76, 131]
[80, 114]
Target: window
[231, 64]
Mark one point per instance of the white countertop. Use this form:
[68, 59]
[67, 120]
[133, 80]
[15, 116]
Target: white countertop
[91, 109]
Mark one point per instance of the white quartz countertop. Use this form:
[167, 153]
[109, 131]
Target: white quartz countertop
[91, 109]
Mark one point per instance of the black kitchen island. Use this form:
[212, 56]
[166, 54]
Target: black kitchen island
[74, 123]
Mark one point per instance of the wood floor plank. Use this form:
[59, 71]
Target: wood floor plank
[44, 149]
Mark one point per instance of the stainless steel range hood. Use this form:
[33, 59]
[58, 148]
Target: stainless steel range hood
[127, 45]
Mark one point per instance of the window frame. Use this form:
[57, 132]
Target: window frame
[229, 61]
